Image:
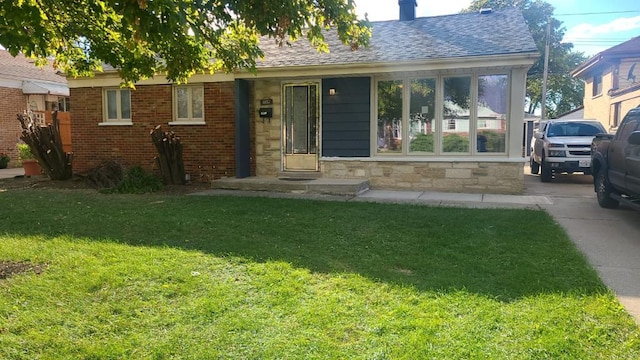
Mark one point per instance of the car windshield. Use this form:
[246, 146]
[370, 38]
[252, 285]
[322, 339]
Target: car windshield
[574, 129]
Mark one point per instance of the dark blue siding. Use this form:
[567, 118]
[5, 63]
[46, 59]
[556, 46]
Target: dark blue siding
[346, 118]
[243, 149]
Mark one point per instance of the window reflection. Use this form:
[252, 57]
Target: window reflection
[455, 111]
[491, 110]
[421, 113]
[390, 116]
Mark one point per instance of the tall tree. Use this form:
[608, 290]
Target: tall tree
[177, 37]
[564, 93]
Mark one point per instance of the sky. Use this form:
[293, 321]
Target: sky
[591, 25]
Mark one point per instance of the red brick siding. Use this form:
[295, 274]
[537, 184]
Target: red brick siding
[209, 150]
[12, 102]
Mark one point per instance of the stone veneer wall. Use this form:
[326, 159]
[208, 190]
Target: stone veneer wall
[267, 132]
[473, 176]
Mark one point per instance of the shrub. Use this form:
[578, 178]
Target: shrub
[422, 142]
[24, 151]
[4, 160]
[136, 181]
[455, 143]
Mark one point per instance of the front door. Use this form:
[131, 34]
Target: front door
[300, 127]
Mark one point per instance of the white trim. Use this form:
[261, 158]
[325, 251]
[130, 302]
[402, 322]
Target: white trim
[116, 123]
[185, 122]
[428, 159]
[524, 60]
[112, 79]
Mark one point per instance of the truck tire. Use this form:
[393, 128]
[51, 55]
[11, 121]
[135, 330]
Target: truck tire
[546, 173]
[604, 190]
[534, 166]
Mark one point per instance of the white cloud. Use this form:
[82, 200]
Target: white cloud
[583, 31]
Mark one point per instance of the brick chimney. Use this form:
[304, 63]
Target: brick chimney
[407, 9]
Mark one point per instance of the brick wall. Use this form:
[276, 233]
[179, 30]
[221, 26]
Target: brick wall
[209, 150]
[12, 102]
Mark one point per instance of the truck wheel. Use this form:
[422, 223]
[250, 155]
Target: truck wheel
[546, 173]
[604, 190]
[535, 168]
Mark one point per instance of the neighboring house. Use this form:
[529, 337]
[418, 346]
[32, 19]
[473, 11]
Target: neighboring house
[380, 113]
[612, 83]
[23, 87]
[575, 114]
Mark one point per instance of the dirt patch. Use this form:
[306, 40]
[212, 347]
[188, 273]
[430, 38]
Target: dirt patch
[11, 268]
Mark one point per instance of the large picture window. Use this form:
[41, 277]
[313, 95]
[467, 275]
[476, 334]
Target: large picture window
[446, 115]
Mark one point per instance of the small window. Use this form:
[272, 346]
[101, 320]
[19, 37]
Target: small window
[117, 105]
[188, 104]
[597, 85]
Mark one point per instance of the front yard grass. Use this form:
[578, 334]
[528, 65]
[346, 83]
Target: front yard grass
[189, 277]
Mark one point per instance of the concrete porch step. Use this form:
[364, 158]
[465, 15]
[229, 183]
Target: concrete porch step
[350, 187]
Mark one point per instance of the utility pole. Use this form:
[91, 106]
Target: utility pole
[543, 114]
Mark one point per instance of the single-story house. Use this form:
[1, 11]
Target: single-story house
[390, 113]
[27, 87]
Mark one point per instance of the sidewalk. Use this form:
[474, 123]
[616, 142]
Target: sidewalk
[11, 173]
[411, 197]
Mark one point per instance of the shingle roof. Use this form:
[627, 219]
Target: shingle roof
[629, 48]
[21, 68]
[501, 32]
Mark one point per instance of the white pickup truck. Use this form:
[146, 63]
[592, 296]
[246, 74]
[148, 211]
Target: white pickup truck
[563, 146]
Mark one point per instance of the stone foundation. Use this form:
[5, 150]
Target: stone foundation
[467, 177]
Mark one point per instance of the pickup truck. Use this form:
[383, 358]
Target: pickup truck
[563, 146]
[615, 164]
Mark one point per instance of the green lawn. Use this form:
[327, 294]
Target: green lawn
[187, 277]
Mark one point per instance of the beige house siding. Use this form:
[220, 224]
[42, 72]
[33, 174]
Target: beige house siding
[618, 91]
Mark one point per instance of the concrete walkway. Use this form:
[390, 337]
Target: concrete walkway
[11, 173]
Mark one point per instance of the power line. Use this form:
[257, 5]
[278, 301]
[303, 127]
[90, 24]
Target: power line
[599, 13]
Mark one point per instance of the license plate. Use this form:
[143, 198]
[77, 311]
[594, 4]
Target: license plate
[584, 163]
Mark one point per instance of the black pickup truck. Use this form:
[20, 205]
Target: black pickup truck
[615, 164]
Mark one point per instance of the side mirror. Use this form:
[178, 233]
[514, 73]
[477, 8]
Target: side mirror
[539, 135]
[634, 138]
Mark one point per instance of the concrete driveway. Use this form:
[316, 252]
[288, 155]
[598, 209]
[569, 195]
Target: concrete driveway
[610, 239]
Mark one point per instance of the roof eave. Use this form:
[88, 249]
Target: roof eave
[526, 59]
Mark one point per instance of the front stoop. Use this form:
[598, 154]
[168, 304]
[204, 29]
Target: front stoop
[351, 187]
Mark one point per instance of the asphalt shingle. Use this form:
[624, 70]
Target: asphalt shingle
[501, 32]
[21, 68]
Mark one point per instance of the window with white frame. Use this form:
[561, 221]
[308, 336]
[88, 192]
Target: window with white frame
[188, 103]
[442, 115]
[491, 110]
[117, 105]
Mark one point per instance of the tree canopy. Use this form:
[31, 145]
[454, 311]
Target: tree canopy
[178, 38]
[564, 92]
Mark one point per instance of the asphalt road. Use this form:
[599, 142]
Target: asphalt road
[610, 239]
